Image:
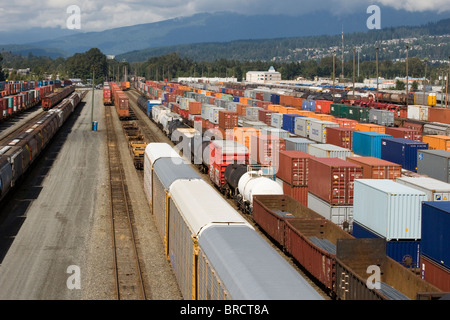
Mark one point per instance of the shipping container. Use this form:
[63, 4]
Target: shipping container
[267, 149]
[402, 151]
[437, 142]
[376, 168]
[368, 143]
[243, 135]
[436, 128]
[405, 252]
[435, 231]
[389, 209]
[298, 144]
[323, 106]
[346, 123]
[360, 114]
[289, 122]
[324, 150]
[439, 115]
[293, 167]
[381, 117]
[228, 119]
[280, 133]
[332, 179]
[435, 273]
[435, 190]
[340, 215]
[418, 112]
[312, 243]
[302, 125]
[370, 127]
[299, 193]
[354, 256]
[434, 163]
[265, 116]
[318, 130]
[340, 136]
[277, 120]
[405, 133]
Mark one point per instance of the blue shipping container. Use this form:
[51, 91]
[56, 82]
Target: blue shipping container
[436, 231]
[275, 98]
[402, 151]
[289, 122]
[368, 143]
[406, 252]
[309, 105]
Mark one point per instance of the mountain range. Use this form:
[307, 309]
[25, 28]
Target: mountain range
[218, 27]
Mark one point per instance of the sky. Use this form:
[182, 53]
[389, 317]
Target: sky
[101, 15]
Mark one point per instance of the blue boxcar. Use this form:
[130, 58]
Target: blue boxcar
[402, 151]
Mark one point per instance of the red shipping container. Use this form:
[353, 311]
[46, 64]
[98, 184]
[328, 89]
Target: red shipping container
[241, 109]
[195, 107]
[375, 168]
[418, 126]
[265, 116]
[346, 123]
[228, 119]
[293, 167]
[340, 136]
[331, 179]
[299, 193]
[439, 115]
[435, 274]
[267, 149]
[323, 106]
[405, 133]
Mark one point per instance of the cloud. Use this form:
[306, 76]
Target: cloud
[101, 15]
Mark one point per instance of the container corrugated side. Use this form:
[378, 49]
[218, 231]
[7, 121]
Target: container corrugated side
[368, 143]
[389, 209]
[298, 144]
[402, 151]
[324, 150]
[318, 130]
[340, 215]
[435, 231]
[436, 190]
[434, 163]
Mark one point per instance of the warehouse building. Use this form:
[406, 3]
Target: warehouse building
[263, 76]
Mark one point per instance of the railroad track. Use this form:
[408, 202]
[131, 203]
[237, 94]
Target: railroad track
[129, 282]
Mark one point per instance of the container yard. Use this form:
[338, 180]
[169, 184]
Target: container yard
[200, 181]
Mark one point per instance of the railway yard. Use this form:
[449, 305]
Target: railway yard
[98, 214]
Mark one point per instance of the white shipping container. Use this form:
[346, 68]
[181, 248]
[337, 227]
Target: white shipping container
[214, 114]
[388, 208]
[302, 126]
[318, 130]
[275, 132]
[417, 112]
[329, 151]
[435, 190]
[339, 215]
[276, 120]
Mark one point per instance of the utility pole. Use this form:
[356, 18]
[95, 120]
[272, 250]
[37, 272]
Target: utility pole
[377, 75]
[407, 78]
[92, 107]
[353, 71]
[342, 75]
[334, 72]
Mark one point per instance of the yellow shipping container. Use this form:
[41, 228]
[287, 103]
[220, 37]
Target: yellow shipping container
[432, 100]
[370, 127]
[437, 142]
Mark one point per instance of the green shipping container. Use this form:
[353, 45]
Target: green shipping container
[360, 114]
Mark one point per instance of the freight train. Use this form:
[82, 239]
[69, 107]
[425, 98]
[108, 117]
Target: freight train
[120, 101]
[214, 252]
[166, 96]
[52, 99]
[17, 155]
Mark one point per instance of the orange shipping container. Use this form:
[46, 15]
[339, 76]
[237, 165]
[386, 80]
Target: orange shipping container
[346, 123]
[243, 134]
[370, 127]
[439, 115]
[437, 142]
[195, 107]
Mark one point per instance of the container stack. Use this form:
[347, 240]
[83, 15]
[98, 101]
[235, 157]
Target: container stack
[402, 151]
[435, 244]
[330, 189]
[293, 171]
[392, 211]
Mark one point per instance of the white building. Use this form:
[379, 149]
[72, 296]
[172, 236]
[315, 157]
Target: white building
[263, 76]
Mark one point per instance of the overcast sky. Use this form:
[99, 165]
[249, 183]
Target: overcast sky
[102, 15]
